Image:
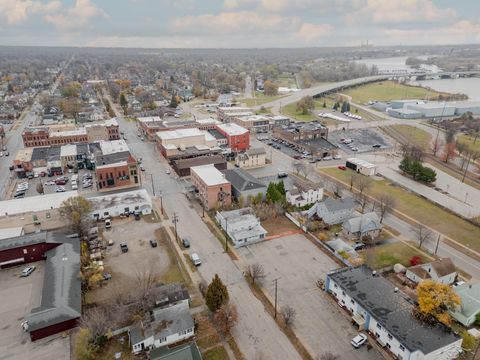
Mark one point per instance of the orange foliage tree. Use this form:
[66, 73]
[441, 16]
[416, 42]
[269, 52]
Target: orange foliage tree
[436, 299]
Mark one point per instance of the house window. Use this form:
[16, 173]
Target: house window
[402, 347]
[377, 335]
[388, 346]
[343, 293]
[163, 339]
[353, 302]
[379, 326]
[335, 286]
[389, 336]
[25, 251]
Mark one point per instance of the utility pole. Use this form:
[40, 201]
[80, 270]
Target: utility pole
[175, 221]
[276, 281]
[161, 201]
[438, 243]
[466, 167]
[153, 185]
[226, 234]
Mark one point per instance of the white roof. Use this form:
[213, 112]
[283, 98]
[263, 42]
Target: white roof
[361, 162]
[125, 198]
[11, 232]
[208, 121]
[120, 163]
[149, 119]
[232, 129]
[79, 131]
[35, 203]
[210, 175]
[68, 150]
[113, 146]
[180, 133]
[109, 122]
[231, 109]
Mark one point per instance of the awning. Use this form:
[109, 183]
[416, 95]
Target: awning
[14, 261]
[359, 320]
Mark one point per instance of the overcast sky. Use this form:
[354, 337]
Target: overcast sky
[238, 23]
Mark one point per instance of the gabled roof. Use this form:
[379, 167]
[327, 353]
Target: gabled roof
[334, 205]
[363, 223]
[470, 301]
[443, 266]
[170, 294]
[183, 352]
[242, 180]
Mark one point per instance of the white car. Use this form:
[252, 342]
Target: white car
[337, 157]
[359, 340]
[59, 189]
[327, 158]
[87, 185]
[167, 171]
[48, 183]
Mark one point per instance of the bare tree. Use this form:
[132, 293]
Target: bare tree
[96, 320]
[255, 271]
[226, 317]
[327, 356]
[288, 314]
[422, 234]
[144, 287]
[386, 204]
[363, 183]
[436, 145]
[298, 166]
[362, 199]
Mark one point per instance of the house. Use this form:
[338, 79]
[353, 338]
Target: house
[212, 187]
[362, 226]
[377, 306]
[441, 270]
[166, 326]
[253, 157]
[245, 185]
[242, 226]
[470, 303]
[304, 193]
[187, 351]
[333, 211]
[171, 294]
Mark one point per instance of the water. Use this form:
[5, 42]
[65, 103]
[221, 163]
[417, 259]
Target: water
[468, 86]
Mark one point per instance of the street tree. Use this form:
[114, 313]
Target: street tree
[305, 105]
[39, 188]
[437, 299]
[362, 199]
[255, 272]
[288, 314]
[363, 183]
[97, 321]
[123, 100]
[386, 203]
[77, 209]
[226, 317]
[174, 101]
[422, 234]
[217, 294]
[270, 88]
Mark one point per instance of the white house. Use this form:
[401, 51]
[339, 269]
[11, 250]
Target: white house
[304, 193]
[333, 211]
[168, 326]
[470, 303]
[242, 226]
[376, 305]
[364, 225]
[441, 270]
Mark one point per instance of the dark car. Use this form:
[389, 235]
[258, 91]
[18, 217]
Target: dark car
[107, 276]
[186, 242]
[124, 247]
[60, 182]
[153, 243]
[376, 146]
[11, 167]
[20, 194]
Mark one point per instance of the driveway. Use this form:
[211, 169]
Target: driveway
[298, 264]
[17, 297]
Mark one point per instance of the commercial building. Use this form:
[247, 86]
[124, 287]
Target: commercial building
[238, 138]
[404, 113]
[254, 123]
[69, 134]
[253, 157]
[118, 203]
[361, 166]
[245, 185]
[149, 126]
[60, 305]
[377, 306]
[182, 166]
[212, 187]
[184, 143]
[242, 226]
[225, 114]
[433, 109]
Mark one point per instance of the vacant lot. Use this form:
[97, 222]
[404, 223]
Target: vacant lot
[415, 135]
[389, 90]
[260, 99]
[420, 209]
[17, 298]
[390, 254]
[278, 225]
[470, 141]
[363, 139]
[298, 264]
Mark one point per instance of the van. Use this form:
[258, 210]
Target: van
[108, 224]
[195, 259]
[74, 186]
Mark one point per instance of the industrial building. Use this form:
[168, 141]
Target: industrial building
[433, 109]
[361, 166]
[118, 203]
[404, 113]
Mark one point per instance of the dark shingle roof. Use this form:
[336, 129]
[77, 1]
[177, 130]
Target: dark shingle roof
[183, 352]
[242, 180]
[392, 310]
[39, 153]
[170, 294]
[333, 205]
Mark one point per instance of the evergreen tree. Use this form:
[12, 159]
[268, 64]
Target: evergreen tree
[281, 187]
[123, 100]
[324, 104]
[216, 295]
[173, 102]
[336, 106]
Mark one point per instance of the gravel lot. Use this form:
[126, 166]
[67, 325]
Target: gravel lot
[363, 139]
[17, 297]
[298, 264]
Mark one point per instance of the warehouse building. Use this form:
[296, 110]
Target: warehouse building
[404, 113]
[118, 203]
[361, 166]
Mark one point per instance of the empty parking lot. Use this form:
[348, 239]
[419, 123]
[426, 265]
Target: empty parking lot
[17, 297]
[298, 264]
[363, 139]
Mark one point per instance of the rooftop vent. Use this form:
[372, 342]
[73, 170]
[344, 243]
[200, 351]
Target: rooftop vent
[396, 289]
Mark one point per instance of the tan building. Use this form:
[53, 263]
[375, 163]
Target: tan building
[213, 188]
[254, 123]
[173, 143]
[254, 157]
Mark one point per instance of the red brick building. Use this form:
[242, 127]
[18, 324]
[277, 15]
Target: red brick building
[117, 174]
[213, 188]
[238, 138]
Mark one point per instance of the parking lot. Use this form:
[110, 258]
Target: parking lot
[17, 297]
[363, 139]
[49, 185]
[124, 267]
[298, 264]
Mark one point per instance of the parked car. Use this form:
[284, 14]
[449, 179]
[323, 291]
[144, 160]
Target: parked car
[7, 153]
[342, 167]
[376, 146]
[87, 185]
[186, 243]
[107, 276]
[167, 171]
[195, 259]
[337, 157]
[59, 189]
[358, 246]
[153, 243]
[327, 158]
[124, 247]
[60, 182]
[48, 183]
[142, 167]
[27, 271]
[359, 340]
[108, 224]
[11, 167]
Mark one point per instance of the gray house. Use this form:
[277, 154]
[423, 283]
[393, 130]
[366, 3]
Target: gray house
[333, 211]
[364, 225]
[244, 184]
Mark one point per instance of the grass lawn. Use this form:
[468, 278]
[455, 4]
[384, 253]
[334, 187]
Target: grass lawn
[469, 140]
[286, 81]
[112, 347]
[417, 136]
[291, 110]
[217, 353]
[389, 90]
[420, 209]
[278, 225]
[390, 254]
[174, 274]
[260, 99]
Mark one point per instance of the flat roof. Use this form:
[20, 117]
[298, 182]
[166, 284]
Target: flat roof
[209, 174]
[361, 162]
[232, 129]
[124, 198]
[113, 146]
[24, 154]
[11, 232]
[68, 150]
[35, 203]
[147, 119]
[180, 133]
[79, 131]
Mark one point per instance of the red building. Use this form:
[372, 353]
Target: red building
[238, 138]
[120, 171]
[61, 303]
